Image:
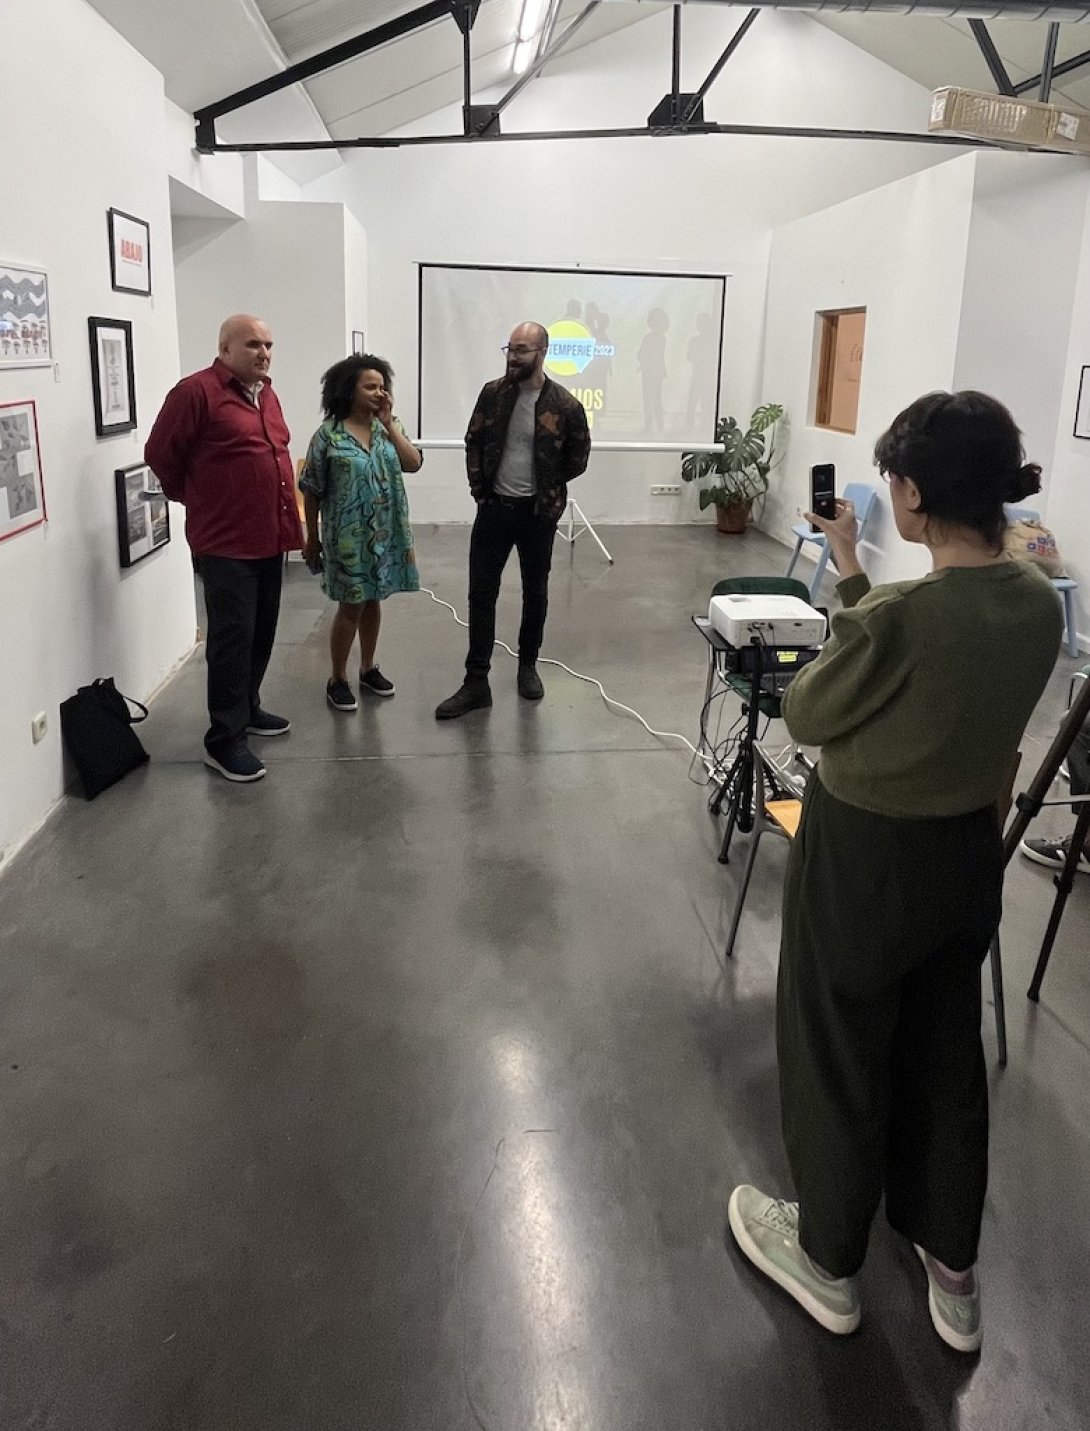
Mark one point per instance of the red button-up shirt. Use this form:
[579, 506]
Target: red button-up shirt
[226, 458]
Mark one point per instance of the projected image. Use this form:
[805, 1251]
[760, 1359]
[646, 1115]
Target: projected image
[641, 352]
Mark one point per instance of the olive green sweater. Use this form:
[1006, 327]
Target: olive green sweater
[924, 688]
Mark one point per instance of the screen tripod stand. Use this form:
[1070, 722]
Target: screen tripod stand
[1032, 802]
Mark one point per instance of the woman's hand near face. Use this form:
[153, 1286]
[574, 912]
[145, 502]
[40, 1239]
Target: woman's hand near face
[385, 410]
[840, 533]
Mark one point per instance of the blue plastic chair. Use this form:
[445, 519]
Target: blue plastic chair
[863, 497]
[1066, 586]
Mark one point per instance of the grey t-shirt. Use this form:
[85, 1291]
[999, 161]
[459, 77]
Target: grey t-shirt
[515, 477]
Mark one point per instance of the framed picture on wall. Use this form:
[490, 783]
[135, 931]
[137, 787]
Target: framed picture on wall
[357, 343]
[113, 382]
[143, 514]
[22, 495]
[1082, 406]
[25, 330]
[130, 253]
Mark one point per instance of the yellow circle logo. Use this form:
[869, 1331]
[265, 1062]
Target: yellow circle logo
[571, 348]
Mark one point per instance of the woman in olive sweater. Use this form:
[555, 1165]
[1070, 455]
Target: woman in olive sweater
[894, 882]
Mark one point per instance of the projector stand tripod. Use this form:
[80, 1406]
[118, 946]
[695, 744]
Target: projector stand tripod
[571, 516]
[737, 787]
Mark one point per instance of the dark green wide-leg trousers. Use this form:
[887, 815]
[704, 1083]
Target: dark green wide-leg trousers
[882, 1078]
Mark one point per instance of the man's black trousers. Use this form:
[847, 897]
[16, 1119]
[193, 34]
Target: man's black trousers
[242, 601]
[503, 523]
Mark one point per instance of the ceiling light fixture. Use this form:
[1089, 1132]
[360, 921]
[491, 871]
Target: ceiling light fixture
[530, 30]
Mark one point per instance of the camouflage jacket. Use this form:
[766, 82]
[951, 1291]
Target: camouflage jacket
[561, 442]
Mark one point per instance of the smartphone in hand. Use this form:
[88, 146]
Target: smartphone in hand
[823, 492]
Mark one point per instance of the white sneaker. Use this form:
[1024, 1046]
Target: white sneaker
[767, 1231]
[955, 1317]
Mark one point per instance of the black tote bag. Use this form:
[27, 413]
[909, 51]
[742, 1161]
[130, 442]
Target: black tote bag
[97, 727]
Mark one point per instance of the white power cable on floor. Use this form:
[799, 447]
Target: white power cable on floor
[590, 680]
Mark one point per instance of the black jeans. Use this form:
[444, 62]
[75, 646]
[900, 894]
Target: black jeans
[503, 523]
[242, 599]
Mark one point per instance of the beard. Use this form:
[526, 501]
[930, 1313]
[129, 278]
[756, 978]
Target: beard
[518, 372]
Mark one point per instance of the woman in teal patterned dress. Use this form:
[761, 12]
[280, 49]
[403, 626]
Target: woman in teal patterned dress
[352, 483]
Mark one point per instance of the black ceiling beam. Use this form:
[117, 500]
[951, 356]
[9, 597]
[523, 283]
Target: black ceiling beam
[1048, 68]
[1076, 62]
[717, 69]
[770, 131]
[317, 64]
[992, 58]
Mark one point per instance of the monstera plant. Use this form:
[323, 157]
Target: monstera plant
[734, 478]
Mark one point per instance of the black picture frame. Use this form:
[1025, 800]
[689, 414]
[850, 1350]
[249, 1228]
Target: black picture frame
[113, 375]
[358, 348]
[130, 253]
[143, 513]
[1082, 407]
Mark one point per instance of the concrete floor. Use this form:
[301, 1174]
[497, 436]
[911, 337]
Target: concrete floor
[405, 1088]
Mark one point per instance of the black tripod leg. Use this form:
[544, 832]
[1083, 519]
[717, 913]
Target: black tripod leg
[732, 820]
[1064, 882]
[996, 959]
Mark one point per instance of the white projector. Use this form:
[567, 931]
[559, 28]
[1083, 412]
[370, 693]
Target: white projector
[770, 620]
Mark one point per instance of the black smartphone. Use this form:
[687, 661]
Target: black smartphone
[823, 492]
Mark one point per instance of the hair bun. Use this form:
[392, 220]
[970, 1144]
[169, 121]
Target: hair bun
[1024, 483]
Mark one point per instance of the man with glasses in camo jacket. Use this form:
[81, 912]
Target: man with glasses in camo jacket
[527, 439]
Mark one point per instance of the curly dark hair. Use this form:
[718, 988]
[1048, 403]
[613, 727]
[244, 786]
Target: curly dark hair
[339, 383]
[964, 452]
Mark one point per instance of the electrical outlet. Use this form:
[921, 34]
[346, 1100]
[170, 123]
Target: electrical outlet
[38, 727]
[665, 489]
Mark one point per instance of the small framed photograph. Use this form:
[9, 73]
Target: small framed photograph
[22, 496]
[143, 513]
[25, 334]
[113, 380]
[1082, 406]
[357, 343]
[130, 253]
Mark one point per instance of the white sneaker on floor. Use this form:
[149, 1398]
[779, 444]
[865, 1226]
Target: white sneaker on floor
[767, 1231]
[956, 1317]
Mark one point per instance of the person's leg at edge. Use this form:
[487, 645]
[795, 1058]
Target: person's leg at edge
[269, 572]
[535, 543]
[494, 533]
[370, 621]
[937, 1146]
[489, 547]
[343, 632]
[836, 1011]
[231, 604]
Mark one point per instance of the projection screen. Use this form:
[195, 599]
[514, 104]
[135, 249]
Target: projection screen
[641, 351]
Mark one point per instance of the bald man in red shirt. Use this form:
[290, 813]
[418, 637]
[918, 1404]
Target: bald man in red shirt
[220, 447]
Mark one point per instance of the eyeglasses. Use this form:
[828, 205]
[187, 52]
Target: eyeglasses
[519, 350]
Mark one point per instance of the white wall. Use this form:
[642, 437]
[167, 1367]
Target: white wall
[1067, 483]
[899, 252]
[83, 131]
[672, 204]
[961, 291]
[286, 262]
[1025, 239]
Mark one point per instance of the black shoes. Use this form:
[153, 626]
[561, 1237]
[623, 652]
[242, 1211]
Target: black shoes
[265, 723]
[530, 687]
[473, 695]
[476, 694]
[235, 761]
[375, 682]
[340, 697]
